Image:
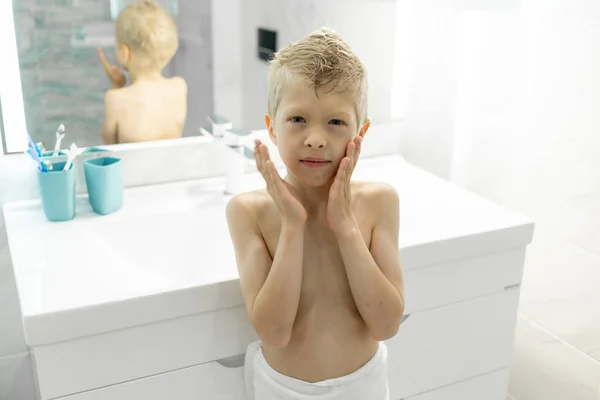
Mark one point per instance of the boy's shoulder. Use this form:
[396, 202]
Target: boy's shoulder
[249, 206]
[179, 81]
[113, 97]
[374, 191]
[375, 197]
[176, 83]
[252, 198]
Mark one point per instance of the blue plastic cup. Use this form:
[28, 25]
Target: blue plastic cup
[94, 150]
[48, 154]
[57, 190]
[104, 180]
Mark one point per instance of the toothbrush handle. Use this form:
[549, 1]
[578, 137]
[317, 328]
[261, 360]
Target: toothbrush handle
[59, 138]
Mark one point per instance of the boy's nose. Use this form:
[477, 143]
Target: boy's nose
[315, 140]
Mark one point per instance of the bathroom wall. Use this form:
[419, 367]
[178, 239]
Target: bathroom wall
[16, 381]
[368, 26]
[441, 51]
[528, 126]
[63, 80]
[531, 126]
[427, 55]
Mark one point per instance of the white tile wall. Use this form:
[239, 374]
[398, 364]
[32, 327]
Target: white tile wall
[11, 330]
[16, 380]
[428, 58]
[368, 26]
[526, 136]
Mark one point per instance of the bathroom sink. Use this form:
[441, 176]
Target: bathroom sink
[167, 252]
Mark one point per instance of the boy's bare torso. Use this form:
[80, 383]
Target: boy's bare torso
[151, 110]
[329, 337]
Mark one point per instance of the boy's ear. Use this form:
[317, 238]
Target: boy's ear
[270, 127]
[126, 52]
[364, 129]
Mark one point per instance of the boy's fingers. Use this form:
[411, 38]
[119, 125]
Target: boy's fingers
[357, 149]
[116, 74]
[272, 182]
[351, 150]
[266, 152]
[268, 168]
[341, 169]
[263, 166]
[259, 162]
[104, 61]
[276, 178]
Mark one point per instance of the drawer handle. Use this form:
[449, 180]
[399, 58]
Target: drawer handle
[404, 318]
[233, 361]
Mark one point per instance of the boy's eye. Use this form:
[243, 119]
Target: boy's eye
[337, 122]
[297, 119]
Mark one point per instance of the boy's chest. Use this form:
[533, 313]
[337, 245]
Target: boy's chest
[322, 259]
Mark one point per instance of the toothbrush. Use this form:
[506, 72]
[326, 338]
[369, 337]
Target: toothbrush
[73, 152]
[60, 134]
[33, 154]
[33, 146]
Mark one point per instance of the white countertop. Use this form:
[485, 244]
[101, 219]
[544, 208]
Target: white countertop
[167, 252]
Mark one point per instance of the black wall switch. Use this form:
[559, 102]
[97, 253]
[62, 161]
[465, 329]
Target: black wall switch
[267, 44]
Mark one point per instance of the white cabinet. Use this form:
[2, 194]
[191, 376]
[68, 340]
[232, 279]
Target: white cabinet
[460, 327]
[450, 344]
[172, 324]
[490, 386]
[149, 350]
[213, 381]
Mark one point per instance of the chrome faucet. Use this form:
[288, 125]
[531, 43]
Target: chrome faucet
[222, 131]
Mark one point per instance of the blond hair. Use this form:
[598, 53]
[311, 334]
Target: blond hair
[149, 31]
[324, 61]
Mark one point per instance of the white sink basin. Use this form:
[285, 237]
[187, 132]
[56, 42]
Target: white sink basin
[167, 252]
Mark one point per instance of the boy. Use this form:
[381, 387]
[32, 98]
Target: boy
[317, 254]
[152, 107]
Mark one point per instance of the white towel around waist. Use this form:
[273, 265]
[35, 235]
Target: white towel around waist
[264, 383]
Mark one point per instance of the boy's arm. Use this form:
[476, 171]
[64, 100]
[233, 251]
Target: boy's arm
[109, 125]
[270, 287]
[375, 275]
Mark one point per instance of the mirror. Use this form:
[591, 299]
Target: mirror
[222, 50]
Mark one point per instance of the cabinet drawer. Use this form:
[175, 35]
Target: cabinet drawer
[450, 282]
[111, 358]
[454, 343]
[212, 381]
[492, 386]
[103, 360]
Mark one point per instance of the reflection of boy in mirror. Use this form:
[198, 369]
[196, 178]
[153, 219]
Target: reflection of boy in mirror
[317, 252]
[152, 107]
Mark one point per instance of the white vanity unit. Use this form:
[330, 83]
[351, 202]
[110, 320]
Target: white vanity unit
[145, 303]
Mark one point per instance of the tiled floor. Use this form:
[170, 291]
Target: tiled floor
[557, 345]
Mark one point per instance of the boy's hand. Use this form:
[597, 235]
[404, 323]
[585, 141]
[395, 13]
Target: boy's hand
[340, 216]
[292, 211]
[112, 71]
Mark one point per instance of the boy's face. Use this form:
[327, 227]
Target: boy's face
[311, 133]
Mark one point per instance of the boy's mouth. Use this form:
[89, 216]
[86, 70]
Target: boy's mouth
[314, 162]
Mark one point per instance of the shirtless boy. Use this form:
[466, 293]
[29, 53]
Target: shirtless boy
[317, 253]
[152, 107]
